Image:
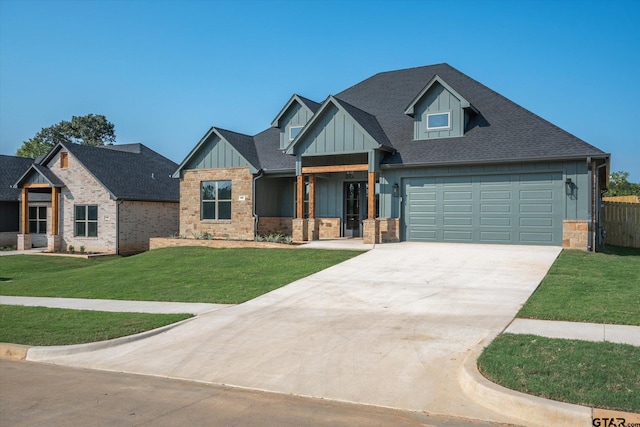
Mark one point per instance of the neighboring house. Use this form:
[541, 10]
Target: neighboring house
[421, 154]
[108, 199]
[11, 168]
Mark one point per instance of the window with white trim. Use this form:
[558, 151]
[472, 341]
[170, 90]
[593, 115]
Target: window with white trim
[438, 121]
[294, 131]
[216, 200]
[86, 221]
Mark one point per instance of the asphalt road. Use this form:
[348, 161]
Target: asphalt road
[41, 394]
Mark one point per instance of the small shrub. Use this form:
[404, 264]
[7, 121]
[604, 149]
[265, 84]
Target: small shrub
[258, 238]
[72, 250]
[81, 249]
[287, 240]
[207, 236]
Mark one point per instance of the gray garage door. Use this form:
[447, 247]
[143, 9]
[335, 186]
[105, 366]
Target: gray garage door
[509, 209]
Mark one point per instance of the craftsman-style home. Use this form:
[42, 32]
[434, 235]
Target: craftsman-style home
[421, 154]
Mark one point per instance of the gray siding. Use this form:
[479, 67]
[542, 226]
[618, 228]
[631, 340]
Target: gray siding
[275, 196]
[216, 153]
[35, 178]
[335, 132]
[296, 115]
[438, 100]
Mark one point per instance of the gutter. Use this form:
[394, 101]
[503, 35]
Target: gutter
[599, 194]
[253, 200]
[490, 161]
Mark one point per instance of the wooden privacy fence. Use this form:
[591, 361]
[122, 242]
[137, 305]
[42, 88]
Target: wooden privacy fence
[621, 222]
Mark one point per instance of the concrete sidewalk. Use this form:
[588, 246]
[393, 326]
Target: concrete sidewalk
[597, 332]
[157, 307]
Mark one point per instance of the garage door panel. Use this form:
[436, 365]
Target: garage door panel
[519, 208]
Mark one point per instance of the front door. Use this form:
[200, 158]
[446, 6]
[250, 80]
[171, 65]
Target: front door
[355, 208]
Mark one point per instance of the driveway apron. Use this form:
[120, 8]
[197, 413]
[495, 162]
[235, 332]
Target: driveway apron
[390, 327]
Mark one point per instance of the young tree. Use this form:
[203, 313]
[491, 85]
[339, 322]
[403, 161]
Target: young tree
[620, 186]
[87, 130]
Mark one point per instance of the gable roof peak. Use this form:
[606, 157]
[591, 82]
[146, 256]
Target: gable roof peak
[310, 105]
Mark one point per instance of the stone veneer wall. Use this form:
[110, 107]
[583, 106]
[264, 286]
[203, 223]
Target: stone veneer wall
[139, 221]
[240, 227]
[273, 224]
[575, 234]
[328, 228]
[389, 230]
[8, 238]
[160, 242]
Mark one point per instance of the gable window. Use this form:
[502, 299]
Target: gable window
[294, 131]
[437, 121]
[64, 160]
[37, 219]
[216, 200]
[86, 221]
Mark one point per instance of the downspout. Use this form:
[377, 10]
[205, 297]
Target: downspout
[599, 194]
[590, 206]
[253, 200]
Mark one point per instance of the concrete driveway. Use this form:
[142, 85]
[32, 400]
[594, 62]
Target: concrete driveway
[391, 327]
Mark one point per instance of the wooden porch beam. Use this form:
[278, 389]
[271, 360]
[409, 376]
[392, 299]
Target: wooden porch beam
[36, 185]
[300, 197]
[24, 206]
[312, 196]
[335, 168]
[372, 196]
[54, 211]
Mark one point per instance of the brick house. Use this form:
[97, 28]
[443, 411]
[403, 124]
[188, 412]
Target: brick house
[420, 154]
[108, 199]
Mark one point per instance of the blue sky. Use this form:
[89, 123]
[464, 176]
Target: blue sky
[164, 72]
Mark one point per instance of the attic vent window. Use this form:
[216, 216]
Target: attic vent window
[64, 160]
[294, 131]
[438, 121]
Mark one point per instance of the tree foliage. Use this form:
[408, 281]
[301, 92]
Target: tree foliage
[91, 129]
[619, 185]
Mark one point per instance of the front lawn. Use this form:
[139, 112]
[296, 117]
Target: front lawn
[581, 287]
[186, 274]
[590, 287]
[55, 326]
[595, 374]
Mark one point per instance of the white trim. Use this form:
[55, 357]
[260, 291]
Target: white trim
[448, 113]
[294, 127]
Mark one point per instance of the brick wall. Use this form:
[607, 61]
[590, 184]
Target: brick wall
[81, 188]
[241, 225]
[139, 221]
[575, 234]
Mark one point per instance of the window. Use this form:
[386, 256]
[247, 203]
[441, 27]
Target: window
[305, 202]
[438, 121]
[86, 222]
[294, 131]
[38, 219]
[64, 160]
[216, 200]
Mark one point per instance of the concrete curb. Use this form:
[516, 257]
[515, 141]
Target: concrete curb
[531, 410]
[9, 351]
[39, 353]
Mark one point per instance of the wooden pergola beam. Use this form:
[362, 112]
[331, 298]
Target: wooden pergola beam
[335, 168]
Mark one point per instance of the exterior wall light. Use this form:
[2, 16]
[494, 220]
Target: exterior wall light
[395, 190]
[569, 187]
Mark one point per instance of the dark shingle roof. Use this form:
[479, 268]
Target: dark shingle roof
[11, 169]
[271, 157]
[311, 105]
[502, 131]
[368, 122]
[136, 173]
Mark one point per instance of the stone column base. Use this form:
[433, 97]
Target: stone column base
[575, 234]
[24, 242]
[313, 229]
[53, 242]
[370, 231]
[300, 230]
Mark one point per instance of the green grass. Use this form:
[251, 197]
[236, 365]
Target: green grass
[55, 326]
[186, 274]
[590, 287]
[595, 374]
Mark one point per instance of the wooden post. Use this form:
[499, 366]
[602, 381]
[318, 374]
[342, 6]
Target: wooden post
[312, 196]
[300, 202]
[25, 210]
[54, 211]
[372, 196]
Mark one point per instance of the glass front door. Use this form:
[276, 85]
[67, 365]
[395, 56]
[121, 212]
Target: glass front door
[355, 209]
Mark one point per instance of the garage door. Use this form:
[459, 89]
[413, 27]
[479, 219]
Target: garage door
[508, 209]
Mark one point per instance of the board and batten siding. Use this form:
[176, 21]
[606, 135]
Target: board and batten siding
[216, 153]
[438, 100]
[296, 115]
[335, 132]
